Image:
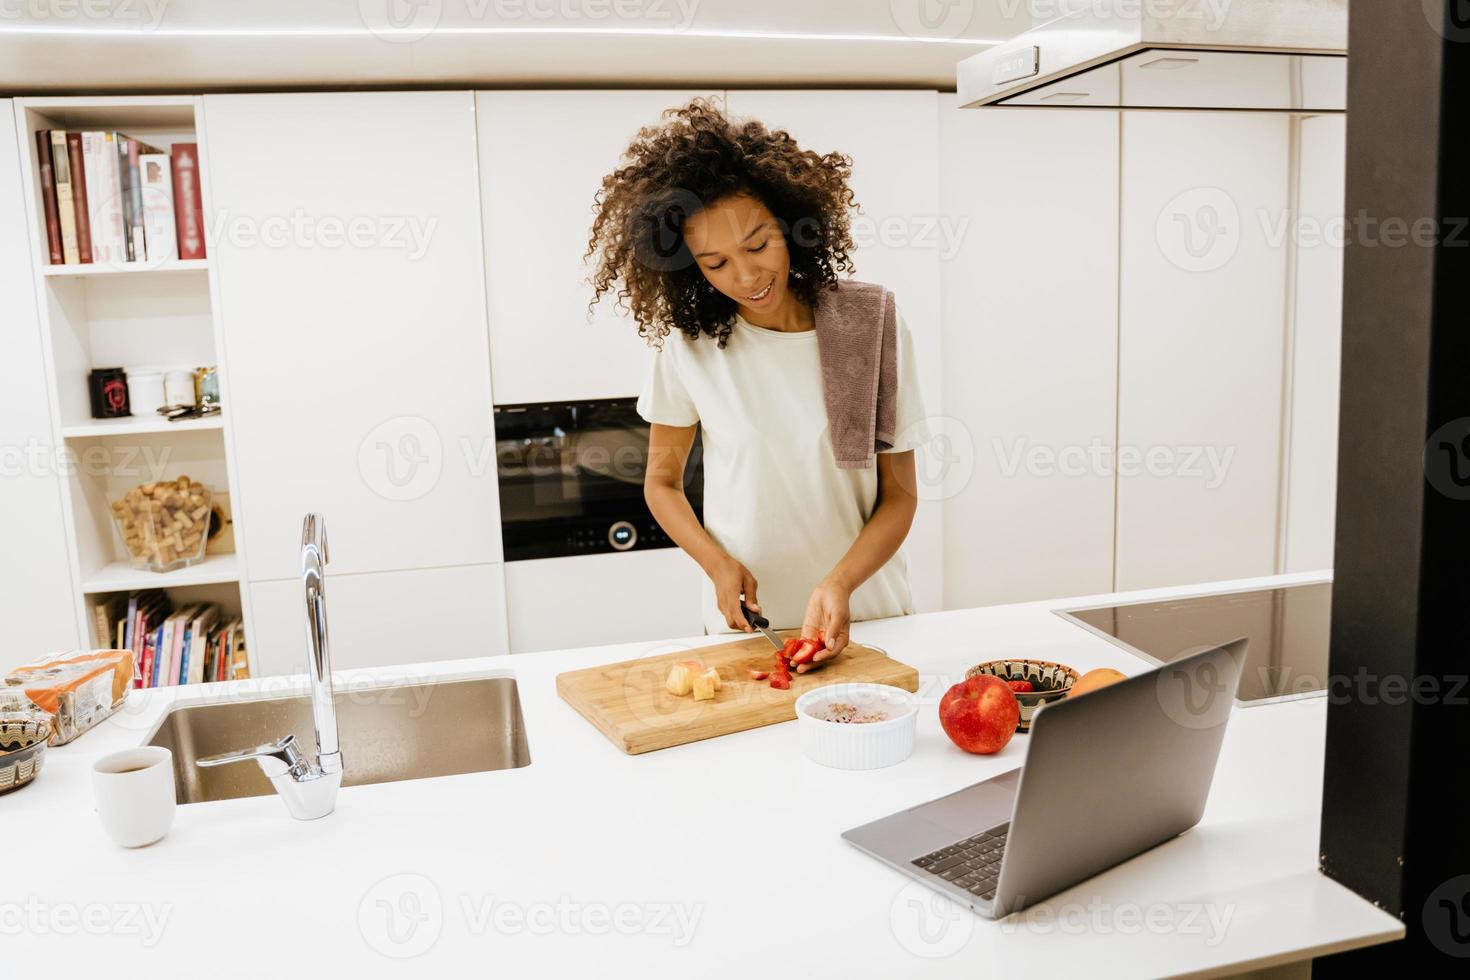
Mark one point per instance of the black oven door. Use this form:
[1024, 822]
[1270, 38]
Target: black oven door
[571, 479]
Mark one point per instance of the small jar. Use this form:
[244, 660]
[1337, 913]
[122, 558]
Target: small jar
[178, 387]
[145, 391]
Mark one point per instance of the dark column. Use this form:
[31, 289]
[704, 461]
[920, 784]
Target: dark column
[1395, 821]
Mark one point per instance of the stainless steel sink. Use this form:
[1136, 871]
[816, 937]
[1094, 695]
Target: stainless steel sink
[405, 731]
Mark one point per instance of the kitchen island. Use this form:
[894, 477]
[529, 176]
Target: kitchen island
[719, 858]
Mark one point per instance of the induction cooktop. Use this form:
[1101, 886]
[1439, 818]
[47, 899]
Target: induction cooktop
[1288, 630]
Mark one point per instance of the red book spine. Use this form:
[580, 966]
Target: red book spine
[188, 202]
[79, 195]
[48, 196]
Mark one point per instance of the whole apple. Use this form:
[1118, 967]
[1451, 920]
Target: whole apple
[980, 714]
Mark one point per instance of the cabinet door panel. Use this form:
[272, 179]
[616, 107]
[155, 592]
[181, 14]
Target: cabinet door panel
[542, 159]
[1030, 345]
[590, 600]
[38, 609]
[1201, 337]
[383, 619]
[346, 235]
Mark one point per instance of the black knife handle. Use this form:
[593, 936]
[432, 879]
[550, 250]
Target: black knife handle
[754, 618]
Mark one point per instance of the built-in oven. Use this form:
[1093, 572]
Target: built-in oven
[571, 479]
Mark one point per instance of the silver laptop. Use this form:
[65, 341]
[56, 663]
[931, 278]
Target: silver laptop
[1108, 775]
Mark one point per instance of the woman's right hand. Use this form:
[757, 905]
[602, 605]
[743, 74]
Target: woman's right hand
[732, 580]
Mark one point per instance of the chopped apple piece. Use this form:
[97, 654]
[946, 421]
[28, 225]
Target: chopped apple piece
[714, 673]
[705, 685]
[681, 680]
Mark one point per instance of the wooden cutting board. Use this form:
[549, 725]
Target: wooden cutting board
[627, 701]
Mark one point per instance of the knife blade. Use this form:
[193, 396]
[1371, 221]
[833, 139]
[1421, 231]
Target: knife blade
[763, 624]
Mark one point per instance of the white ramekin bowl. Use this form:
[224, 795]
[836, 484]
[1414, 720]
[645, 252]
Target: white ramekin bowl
[863, 745]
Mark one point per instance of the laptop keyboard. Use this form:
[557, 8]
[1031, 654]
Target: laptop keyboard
[972, 863]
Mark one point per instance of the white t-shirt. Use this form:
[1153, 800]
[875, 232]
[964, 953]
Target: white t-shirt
[774, 498]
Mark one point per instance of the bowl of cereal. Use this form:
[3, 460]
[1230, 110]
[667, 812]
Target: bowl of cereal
[857, 726]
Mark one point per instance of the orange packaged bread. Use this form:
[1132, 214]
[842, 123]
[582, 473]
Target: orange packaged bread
[77, 689]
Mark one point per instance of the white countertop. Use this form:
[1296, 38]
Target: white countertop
[718, 858]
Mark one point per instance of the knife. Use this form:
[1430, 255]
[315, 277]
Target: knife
[763, 624]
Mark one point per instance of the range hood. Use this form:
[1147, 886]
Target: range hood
[1256, 55]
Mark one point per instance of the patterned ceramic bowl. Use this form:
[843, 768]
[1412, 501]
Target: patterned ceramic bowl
[22, 748]
[1051, 681]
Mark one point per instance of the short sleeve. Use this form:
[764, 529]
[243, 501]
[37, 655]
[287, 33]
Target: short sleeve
[665, 400]
[911, 421]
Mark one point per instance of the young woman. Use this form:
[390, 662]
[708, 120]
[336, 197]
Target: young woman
[726, 233]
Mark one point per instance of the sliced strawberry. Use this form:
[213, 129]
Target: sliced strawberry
[1021, 687]
[807, 650]
[759, 675]
[781, 681]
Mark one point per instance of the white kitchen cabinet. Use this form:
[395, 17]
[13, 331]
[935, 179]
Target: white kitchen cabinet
[587, 600]
[901, 236]
[38, 612]
[346, 238]
[1201, 340]
[383, 618]
[542, 159]
[1030, 347]
[1316, 349]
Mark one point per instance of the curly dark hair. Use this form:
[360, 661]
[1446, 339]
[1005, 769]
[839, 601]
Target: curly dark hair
[697, 157]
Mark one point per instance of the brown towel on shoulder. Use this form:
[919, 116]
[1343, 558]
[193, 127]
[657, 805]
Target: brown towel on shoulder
[857, 344]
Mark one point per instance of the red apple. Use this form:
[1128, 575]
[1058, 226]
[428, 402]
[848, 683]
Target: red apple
[980, 714]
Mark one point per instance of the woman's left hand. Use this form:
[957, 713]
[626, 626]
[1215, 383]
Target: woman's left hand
[827, 612]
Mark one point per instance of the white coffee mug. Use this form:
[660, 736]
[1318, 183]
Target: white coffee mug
[135, 794]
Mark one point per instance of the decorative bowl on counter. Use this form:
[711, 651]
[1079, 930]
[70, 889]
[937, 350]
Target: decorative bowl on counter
[857, 726]
[1051, 682]
[22, 749]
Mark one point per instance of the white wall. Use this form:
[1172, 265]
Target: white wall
[1030, 332]
[37, 604]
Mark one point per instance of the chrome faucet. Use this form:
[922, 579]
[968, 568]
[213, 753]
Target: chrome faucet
[308, 788]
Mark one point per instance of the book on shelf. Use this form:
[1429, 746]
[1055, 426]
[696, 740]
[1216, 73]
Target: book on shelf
[111, 198]
[66, 215]
[189, 644]
[188, 200]
[77, 159]
[48, 197]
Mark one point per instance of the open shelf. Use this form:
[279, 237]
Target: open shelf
[92, 269]
[134, 426]
[122, 577]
